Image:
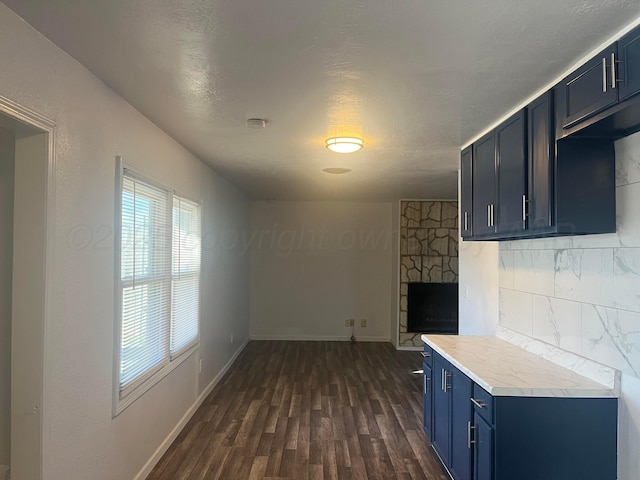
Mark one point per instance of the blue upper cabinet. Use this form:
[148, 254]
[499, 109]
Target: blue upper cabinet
[538, 204]
[484, 185]
[590, 89]
[466, 193]
[511, 172]
[628, 70]
[599, 99]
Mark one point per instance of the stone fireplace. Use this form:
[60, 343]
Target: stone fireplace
[428, 255]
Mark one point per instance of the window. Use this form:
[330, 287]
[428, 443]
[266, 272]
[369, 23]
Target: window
[159, 277]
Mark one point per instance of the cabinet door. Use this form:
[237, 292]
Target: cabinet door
[541, 143]
[441, 408]
[588, 90]
[461, 409]
[484, 185]
[427, 392]
[466, 193]
[512, 174]
[628, 70]
[483, 454]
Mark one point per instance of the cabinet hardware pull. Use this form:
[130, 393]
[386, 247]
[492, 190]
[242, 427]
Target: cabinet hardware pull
[614, 74]
[426, 384]
[478, 403]
[466, 221]
[492, 219]
[604, 75]
[469, 441]
[489, 215]
[446, 386]
[524, 212]
[442, 380]
[425, 354]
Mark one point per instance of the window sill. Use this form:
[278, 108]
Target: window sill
[121, 404]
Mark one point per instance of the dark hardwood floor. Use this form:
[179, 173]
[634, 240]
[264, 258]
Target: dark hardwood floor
[309, 410]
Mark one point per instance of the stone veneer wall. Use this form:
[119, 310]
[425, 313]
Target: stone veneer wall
[428, 251]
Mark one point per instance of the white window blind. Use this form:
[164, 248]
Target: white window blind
[186, 274]
[159, 278]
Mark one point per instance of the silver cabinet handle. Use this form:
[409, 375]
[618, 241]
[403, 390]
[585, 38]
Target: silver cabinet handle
[469, 441]
[478, 403]
[524, 212]
[466, 221]
[613, 70]
[446, 386]
[604, 75]
[425, 354]
[493, 224]
[426, 383]
[489, 215]
[442, 380]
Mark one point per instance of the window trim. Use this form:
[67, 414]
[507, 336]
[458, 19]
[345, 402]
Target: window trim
[122, 400]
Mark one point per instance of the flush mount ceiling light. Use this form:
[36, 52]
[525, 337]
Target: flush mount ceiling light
[336, 170]
[344, 144]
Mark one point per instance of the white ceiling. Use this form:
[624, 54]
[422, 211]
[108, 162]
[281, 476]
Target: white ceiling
[414, 78]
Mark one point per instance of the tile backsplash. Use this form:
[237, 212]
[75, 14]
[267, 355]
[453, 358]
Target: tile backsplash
[582, 293]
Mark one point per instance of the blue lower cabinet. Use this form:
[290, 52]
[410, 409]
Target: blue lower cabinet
[483, 449]
[460, 457]
[427, 386]
[441, 438]
[482, 437]
[555, 438]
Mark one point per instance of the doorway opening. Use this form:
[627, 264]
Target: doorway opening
[25, 176]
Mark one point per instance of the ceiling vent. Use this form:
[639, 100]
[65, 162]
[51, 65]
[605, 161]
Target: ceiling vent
[256, 123]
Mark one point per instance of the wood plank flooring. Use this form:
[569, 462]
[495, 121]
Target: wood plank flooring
[309, 411]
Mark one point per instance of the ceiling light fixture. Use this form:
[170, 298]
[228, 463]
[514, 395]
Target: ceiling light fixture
[344, 144]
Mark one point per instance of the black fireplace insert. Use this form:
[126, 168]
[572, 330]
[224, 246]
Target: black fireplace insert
[432, 308]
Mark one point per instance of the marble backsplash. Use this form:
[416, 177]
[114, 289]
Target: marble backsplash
[582, 293]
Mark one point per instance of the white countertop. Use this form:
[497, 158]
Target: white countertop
[504, 369]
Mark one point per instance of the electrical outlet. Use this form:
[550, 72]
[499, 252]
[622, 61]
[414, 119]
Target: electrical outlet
[201, 363]
[363, 322]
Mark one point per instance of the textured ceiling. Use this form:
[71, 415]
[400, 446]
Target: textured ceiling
[414, 78]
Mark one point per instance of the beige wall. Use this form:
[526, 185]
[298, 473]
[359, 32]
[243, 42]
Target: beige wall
[94, 125]
[316, 264]
[7, 155]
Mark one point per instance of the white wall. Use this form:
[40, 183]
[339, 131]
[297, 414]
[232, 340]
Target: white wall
[395, 275]
[315, 264]
[477, 285]
[93, 125]
[582, 294]
[7, 155]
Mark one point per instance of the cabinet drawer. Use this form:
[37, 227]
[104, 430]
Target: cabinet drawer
[427, 354]
[482, 403]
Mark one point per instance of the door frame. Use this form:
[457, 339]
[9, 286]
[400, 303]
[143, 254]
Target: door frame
[45, 126]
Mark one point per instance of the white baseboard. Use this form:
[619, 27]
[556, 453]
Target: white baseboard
[317, 338]
[164, 446]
